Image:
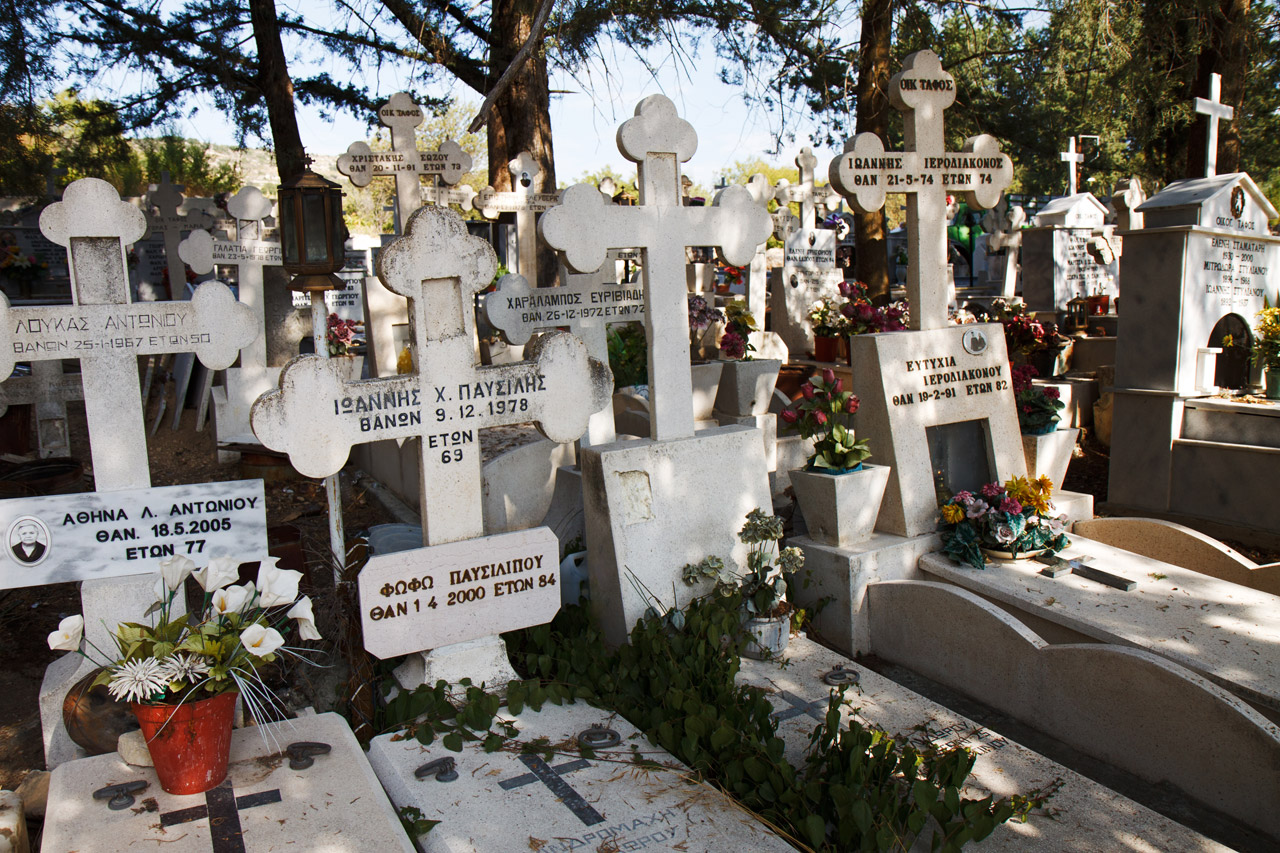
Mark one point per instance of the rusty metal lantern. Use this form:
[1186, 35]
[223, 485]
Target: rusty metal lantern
[312, 233]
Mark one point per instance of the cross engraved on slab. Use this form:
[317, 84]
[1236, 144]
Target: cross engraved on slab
[817, 709]
[222, 809]
[1215, 110]
[249, 253]
[526, 202]
[1072, 158]
[926, 172]
[316, 417]
[583, 227]
[562, 790]
[529, 779]
[49, 389]
[586, 305]
[107, 332]
[404, 161]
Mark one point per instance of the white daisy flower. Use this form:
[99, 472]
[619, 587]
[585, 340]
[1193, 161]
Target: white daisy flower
[184, 668]
[137, 680]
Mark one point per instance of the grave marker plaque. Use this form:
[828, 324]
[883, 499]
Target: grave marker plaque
[808, 259]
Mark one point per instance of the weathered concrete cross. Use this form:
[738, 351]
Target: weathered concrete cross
[584, 228]
[1215, 110]
[810, 197]
[404, 161]
[249, 253]
[526, 202]
[1072, 158]
[926, 172]
[315, 417]
[166, 197]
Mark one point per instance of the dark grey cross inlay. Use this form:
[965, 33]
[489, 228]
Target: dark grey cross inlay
[541, 771]
[222, 809]
[817, 709]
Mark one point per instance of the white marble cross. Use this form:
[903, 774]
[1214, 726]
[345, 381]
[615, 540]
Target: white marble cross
[586, 304]
[584, 228]
[526, 202]
[49, 390]
[1215, 110]
[404, 161]
[316, 417]
[1072, 158]
[811, 197]
[249, 253]
[926, 172]
[166, 197]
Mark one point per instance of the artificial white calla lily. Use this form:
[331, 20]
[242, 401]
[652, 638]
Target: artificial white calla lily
[221, 571]
[67, 637]
[261, 641]
[231, 599]
[276, 586]
[175, 570]
[302, 614]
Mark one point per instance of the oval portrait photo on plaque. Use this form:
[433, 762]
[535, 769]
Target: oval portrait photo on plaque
[28, 540]
[974, 341]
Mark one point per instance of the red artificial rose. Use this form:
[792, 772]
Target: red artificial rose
[807, 390]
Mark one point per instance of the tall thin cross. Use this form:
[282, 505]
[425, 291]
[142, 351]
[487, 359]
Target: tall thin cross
[525, 200]
[166, 197]
[316, 417]
[1215, 110]
[249, 253]
[584, 228]
[1072, 159]
[926, 172]
[404, 161]
[809, 195]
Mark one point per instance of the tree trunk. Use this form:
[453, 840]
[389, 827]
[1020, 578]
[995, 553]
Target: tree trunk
[521, 116]
[277, 89]
[872, 262]
[1226, 53]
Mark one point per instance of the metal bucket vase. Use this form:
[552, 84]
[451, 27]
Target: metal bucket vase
[766, 638]
[189, 743]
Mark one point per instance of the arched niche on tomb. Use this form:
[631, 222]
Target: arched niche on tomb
[1234, 337]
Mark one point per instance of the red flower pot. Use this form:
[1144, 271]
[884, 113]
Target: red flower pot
[189, 743]
[825, 349]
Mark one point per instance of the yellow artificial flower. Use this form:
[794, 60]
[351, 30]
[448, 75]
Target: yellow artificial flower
[952, 514]
[1045, 485]
[1019, 489]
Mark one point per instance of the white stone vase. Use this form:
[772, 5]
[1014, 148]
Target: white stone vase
[766, 638]
[1049, 455]
[841, 509]
[706, 384]
[746, 387]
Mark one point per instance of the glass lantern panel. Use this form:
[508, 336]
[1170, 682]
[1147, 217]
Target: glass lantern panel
[339, 231]
[289, 227]
[313, 224]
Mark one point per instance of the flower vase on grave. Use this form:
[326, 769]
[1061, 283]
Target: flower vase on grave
[1049, 452]
[746, 387]
[189, 743]
[826, 348]
[1272, 380]
[841, 509]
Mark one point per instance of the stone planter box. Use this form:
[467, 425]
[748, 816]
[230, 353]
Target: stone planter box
[746, 387]
[841, 509]
[706, 384]
[1049, 455]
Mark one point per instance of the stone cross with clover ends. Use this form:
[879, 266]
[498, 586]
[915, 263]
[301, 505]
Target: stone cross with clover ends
[1215, 110]
[404, 161]
[584, 228]
[315, 417]
[811, 197]
[249, 253]
[926, 172]
[166, 197]
[526, 202]
[1072, 158]
[107, 332]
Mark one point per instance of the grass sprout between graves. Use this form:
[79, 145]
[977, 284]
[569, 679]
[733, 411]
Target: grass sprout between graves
[855, 789]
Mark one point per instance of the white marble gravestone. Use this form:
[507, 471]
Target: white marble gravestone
[316, 417]
[249, 253]
[405, 162]
[526, 201]
[808, 258]
[1073, 159]
[936, 400]
[1126, 200]
[107, 333]
[645, 506]
[1056, 264]
[572, 802]
[1216, 111]
[1004, 232]
[768, 344]
[49, 390]
[265, 805]
[926, 172]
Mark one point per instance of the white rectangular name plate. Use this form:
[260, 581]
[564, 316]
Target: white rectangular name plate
[106, 534]
[446, 594]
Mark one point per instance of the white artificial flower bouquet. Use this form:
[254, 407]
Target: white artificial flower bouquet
[216, 650]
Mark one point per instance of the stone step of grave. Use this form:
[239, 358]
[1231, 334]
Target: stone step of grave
[508, 801]
[1078, 394]
[1230, 634]
[1085, 816]
[1090, 353]
[265, 805]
